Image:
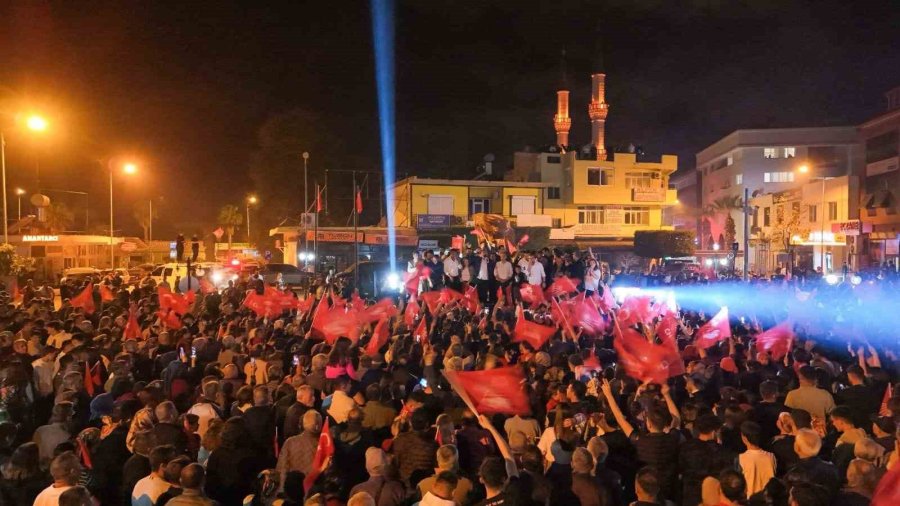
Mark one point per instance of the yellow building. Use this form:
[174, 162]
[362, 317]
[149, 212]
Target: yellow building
[434, 204]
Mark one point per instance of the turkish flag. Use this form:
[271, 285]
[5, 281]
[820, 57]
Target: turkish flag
[532, 333]
[667, 328]
[106, 295]
[409, 314]
[411, 280]
[338, 322]
[380, 337]
[318, 199]
[359, 206]
[532, 294]
[132, 328]
[305, 305]
[85, 299]
[640, 358]
[887, 493]
[324, 450]
[562, 286]
[561, 317]
[666, 332]
[715, 330]
[320, 313]
[431, 299]
[635, 309]
[586, 314]
[511, 247]
[421, 333]
[179, 303]
[470, 300]
[206, 286]
[885, 399]
[382, 309]
[490, 391]
[449, 296]
[777, 340]
[337, 300]
[169, 318]
[262, 305]
[608, 301]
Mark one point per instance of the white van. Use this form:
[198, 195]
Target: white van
[172, 271]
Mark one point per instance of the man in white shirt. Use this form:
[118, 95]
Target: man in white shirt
[148, 489]
[205, 408]
[503, 273]
[56, 337]
[65, 470]
[341, 402]
[43, 371]
[535, 272]
[452, 268]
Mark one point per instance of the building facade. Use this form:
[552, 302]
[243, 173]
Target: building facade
[880, 173]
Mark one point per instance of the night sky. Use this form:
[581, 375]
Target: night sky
[186, 86]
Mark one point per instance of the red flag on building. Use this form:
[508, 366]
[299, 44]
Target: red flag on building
[490, 391]
[318, 199]
[106, 295]
[562, 286]
[85, 299]
[359, 206]
[715, 330]
[132, 328]
[409, 314]
[532, 333]
[777, 340]
[380, 337]
[324, 451]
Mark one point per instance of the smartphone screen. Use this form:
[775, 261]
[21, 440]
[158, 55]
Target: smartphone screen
[296, 360]
[423, 382]
[193, 352]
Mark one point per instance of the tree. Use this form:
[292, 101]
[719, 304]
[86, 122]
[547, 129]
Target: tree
[730, 231]
[58, 217]
[141, 213]
[230, 217]
[663, 243]
[788, 221]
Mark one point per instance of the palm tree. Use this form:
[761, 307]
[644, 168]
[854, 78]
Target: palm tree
[230, 217]
[58, 217]
[725, 205]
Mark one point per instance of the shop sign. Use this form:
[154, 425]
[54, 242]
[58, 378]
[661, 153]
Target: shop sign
[428, 244]
[128, 247]
[40, 238]
[334, 236]
[648, 194]
[614, 215]
[382, 239]
[851, 227]
[432, 221]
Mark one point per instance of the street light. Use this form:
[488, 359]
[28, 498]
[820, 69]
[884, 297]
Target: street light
[36, 124]
[805, 169]
[250, 200]
[127, 168]
[19, 193]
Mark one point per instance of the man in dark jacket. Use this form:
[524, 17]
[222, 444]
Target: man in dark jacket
[415, 450]
[260, 421]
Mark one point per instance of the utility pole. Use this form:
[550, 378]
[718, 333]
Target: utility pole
[747, 209]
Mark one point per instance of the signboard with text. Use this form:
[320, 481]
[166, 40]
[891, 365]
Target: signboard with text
[334, 236]
[648, 194]
[851, 227]
[432, 221]
[382, 239]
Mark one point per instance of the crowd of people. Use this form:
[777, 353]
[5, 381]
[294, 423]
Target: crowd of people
[144, 396]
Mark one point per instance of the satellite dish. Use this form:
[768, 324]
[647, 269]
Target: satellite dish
[489, 157]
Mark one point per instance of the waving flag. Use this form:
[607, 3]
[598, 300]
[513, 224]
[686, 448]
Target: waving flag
[562, 286]
[666, 332]
[777, 340]
[380, 337]
[421, 333]
[106, 295]
[532, 333]
[324, 451]
[585, 313]
[85, 299]
[887, 493]
[179, 303]
[409, 314]
[432, 300]
[132, 328]
[382, 309]
[607, 301]
[338, 322]
[715, 330]
[561, 317]
[262, 305]
[320, 313]
[470, 300]
[169, 318]
[92, 378]
[640, 358]
[490, 391]
[532, 294]
[305, 305]
[635, 309]
[206, 286]
[449, 296]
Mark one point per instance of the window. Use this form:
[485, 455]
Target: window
[790, 152]
[599, 177]
[770, 152]
[479, 205]
[553, 159]
[591, 215]
[778, 177]
[440, 204]
[882, 147]
[637, 215]
[521, 205]
[730, 160]
[553, 193]
[767, 216]
[738, 179]
[640, 179]
[832, 211]
[811, 210]
[755, 217]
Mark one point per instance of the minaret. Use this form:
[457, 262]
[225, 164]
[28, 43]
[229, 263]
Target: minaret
[561, 120]
[598, 109]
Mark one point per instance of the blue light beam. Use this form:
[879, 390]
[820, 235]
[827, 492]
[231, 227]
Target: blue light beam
[383, 39]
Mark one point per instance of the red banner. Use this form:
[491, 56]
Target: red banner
[530, 332]
[715, 330]
[499, 390]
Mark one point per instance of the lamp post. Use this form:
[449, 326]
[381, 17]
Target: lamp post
[34, 123]
[805, 169]
[306, 203]
[127, 168]
[250, 200]
[19, 193]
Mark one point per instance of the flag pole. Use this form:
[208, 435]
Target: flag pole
[355, 238]
[316, 232]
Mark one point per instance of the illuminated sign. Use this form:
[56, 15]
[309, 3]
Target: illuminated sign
[819, 238]
[851, 227]
[40, 238]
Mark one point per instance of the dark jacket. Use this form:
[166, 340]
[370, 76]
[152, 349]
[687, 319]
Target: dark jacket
[414, 451]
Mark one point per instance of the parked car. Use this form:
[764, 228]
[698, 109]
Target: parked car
[289, 274]
[78, 274]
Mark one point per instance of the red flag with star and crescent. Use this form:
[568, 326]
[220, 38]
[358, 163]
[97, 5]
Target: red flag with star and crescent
[85, 299]
[777, 340]
[530, 332]
[499, 390]
[324, 451]
[717, 329]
